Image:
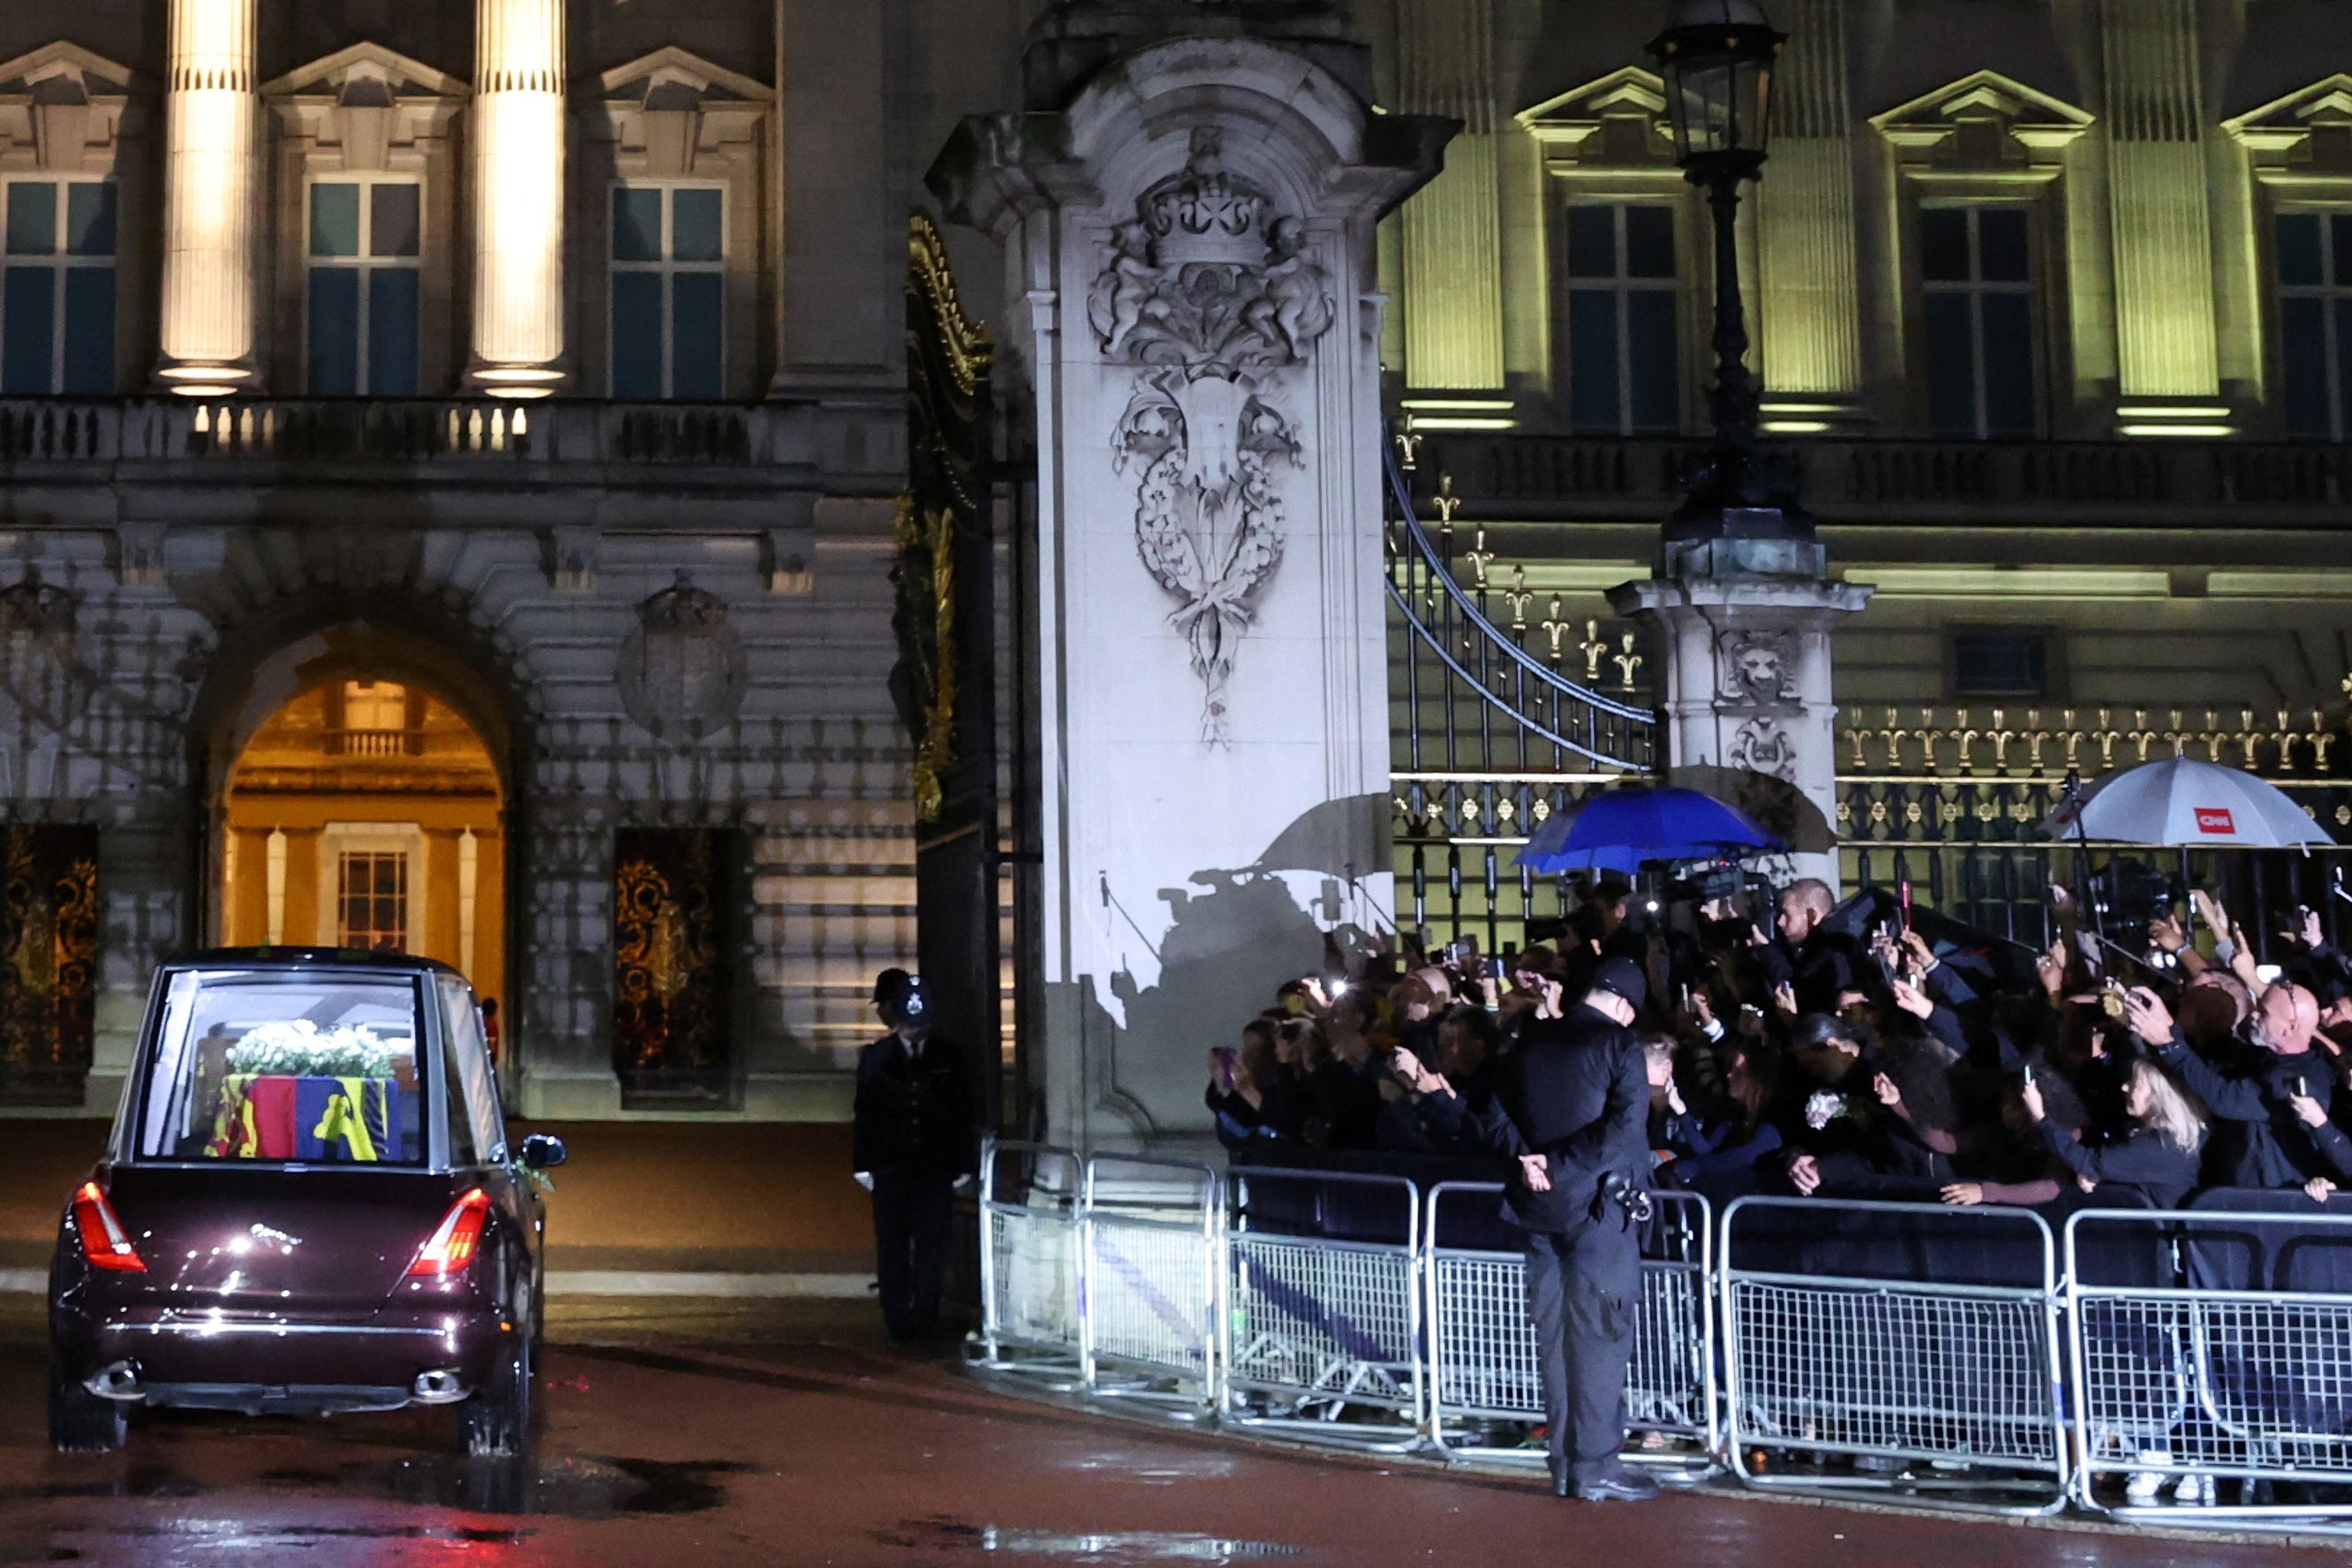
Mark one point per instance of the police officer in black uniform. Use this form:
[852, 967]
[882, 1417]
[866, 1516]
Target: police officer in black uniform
[912, 1145]
[1573, 1116]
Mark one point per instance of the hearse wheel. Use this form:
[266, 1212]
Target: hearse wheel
[496, 1421]
[79, 1421]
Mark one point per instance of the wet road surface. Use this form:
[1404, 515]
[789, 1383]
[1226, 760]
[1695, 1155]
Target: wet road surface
[793, 1433]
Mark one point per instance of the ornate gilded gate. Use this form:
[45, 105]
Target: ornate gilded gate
[675, 932]
[48, 960]
[944, 684]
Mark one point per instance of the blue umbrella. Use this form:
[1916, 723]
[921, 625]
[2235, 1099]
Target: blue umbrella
[1624, 828]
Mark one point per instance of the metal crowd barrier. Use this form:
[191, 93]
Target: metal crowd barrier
[1151, 1279]
[1029, 1258]
[2188, 1365]
[2209, 1372]
[1891, 1379]
[1485, 1389]
[1324, 1329]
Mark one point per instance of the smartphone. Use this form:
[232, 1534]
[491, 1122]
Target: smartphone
[1902, 902]
[1228, 1059]
[2029, 1075]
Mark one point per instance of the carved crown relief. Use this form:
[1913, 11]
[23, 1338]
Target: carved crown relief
[1207, 290]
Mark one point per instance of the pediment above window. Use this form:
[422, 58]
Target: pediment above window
[1615, 121]
[1983, 126]
[666, 108]
[373, 105]
[61, 109]
[2303, 138]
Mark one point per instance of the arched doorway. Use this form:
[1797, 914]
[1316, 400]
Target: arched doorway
[365, 809]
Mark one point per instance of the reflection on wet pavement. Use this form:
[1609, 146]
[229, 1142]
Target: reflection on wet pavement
[1114, 1549]
[729, 1440]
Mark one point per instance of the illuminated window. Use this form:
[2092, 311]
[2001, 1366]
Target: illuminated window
[2315, 312]
[373, 900]
[669, 262]
[1624, 354]
[57, 286]
[365, 244]
[1976, 280]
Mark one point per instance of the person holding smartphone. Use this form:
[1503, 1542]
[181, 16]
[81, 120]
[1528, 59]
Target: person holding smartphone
[2270, 1104]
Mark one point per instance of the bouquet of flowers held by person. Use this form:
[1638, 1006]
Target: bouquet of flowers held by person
[1823, 1106]
[298, 1049]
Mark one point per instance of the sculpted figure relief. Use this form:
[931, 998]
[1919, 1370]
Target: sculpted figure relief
[1205, 290]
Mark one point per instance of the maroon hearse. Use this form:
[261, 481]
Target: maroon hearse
[306, 1204]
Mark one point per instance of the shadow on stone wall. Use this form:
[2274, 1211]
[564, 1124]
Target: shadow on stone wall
[1238, 935]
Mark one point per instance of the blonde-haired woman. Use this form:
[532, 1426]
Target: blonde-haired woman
[2156, 1156]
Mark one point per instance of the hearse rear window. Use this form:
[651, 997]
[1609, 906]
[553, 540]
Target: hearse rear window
[276, 1067]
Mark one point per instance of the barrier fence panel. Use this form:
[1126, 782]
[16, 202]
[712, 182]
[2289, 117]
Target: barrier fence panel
[1484, 1390]
[1324, 1323]
[1898, 1347]
[2211, 1352]
[1150, 1279]
[1029, 1255]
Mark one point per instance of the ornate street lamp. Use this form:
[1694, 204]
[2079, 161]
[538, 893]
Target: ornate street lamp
[1716, 58]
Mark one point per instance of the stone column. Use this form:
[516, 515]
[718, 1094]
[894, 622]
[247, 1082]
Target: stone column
[2163, 251]
[1191, 222]
[1810, 319]
[210, 114]
[247, 903]
[1453, 230]
[439, 933]
[305, 914]
[518, 137]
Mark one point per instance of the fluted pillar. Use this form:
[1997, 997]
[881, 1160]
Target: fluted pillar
[2164, 340]
[210, 115]
[1453, 228]
[517, 197]
[1810, 321]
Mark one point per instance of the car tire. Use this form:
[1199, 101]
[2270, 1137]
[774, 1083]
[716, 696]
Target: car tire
[495, 1423]
[79, 1421]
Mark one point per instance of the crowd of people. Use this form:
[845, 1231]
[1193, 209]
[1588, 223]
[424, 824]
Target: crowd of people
[1848, 1056]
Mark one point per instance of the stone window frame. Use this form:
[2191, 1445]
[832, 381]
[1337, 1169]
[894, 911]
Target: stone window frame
[1986, 140]
[2298, 150]
[66, 114]
[363, 263]
[1609, 141]
[674, 117]
[61, 263]
[365, 112]
[668, 268]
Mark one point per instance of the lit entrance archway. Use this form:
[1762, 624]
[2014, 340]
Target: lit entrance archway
[366, 812]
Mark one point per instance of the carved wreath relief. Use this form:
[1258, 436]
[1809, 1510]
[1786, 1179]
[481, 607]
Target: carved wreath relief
[1205, 289]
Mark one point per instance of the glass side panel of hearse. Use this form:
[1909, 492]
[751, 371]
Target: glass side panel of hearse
[268, 1066]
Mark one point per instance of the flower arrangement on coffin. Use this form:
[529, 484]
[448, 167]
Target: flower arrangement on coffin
[298, 1049]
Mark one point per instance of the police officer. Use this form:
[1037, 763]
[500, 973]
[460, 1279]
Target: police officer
[1573, 1116]
[912, 1145]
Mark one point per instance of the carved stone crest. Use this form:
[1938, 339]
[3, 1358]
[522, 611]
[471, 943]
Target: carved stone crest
[1207, 290]
[682, 671]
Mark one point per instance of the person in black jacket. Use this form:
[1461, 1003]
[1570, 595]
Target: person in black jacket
[1572, 1117]
[2155, 1156]
[2270, 1109]
[912, 1145]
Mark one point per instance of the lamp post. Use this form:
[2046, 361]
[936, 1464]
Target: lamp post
[1716, 58]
